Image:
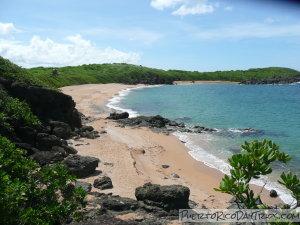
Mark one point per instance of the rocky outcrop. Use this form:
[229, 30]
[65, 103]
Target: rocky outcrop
[165, 197]
[275, 80]
[81, 166]
[45, 103]
[103, 183]
[118, 116]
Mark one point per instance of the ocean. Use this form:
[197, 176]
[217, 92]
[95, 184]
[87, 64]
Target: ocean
[272, 110]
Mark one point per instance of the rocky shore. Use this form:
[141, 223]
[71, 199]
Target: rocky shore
[274, 80]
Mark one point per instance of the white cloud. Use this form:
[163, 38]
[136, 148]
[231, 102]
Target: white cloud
[163, 4]
[7, 28]
[193, 10]
[185, 7]
[48, 53]
[250, 30]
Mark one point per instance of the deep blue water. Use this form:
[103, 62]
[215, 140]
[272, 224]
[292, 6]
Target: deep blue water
[273, 110]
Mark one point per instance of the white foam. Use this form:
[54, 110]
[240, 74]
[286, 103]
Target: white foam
[113, 102]
[206, 157]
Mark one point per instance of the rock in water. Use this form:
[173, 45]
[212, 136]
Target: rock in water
[167, 197]
[81, 166]
[103, 183]
[118, 116]
[273, 193]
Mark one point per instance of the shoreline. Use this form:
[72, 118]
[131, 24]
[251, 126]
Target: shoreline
[129, 167]
[204, 82]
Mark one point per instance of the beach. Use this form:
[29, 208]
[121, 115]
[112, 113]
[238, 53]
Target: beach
[132, 157]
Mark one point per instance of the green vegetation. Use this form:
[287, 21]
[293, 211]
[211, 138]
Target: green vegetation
[30, 195]
[129, 74]
[15, 111]
[133, 74]
[12, 71]
[253, 162]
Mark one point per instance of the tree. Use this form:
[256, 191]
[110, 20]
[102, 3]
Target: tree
[31, 195]
[253, 162]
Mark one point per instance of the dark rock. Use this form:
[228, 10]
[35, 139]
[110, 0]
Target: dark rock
[47, 157]
[117, 203]
[165, 166]
[45, 103]
[45, 141]
[103, 132]
[108, 164]
[86, 128]
[61, 129]
[30, 150]
[173, 123]
[84, 185]
[118, 116]
[70, 150]
[273, 193]
[275, 80]
[81, 166]
[27, 134]
[175, 175]
[166, 197]
[103, 183]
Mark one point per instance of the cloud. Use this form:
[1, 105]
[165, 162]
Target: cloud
[7, 28]
[249, 30]
[48, 53]
[184, 7]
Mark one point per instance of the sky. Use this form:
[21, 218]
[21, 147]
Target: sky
[195, 35]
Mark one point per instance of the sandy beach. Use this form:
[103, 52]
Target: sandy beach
[132, 157]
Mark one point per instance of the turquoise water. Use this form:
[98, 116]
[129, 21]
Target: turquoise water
[272, 110]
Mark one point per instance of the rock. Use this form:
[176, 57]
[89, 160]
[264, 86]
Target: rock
[70, 150]
[47, 157]
[30, 150]
[108, 164]
[81, 166]
[46, 104]
[167, 197]
[103, 132]
[86, 128]
[118, 116]
[175, 175]
[173, 123]
[45, 141]
[84, 185]
[273, 193]
[103, 183]
[165, 166]
[117, 203]
[61, 129]
[27, 134]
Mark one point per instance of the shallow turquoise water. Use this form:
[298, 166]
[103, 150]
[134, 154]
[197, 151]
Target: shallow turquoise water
[274, 110]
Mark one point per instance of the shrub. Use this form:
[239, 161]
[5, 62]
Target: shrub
[253, 162]
[30, 195]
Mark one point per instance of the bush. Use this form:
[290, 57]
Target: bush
[253, 162]
[30, 195]
[17, 110]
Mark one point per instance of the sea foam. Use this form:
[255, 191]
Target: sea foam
[203, 155]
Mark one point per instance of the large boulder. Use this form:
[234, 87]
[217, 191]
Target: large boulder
[167, 197]
[103, 183]
[48, 157]
[45, 141]
[81, 166]
[61, 129]
[118, 116]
